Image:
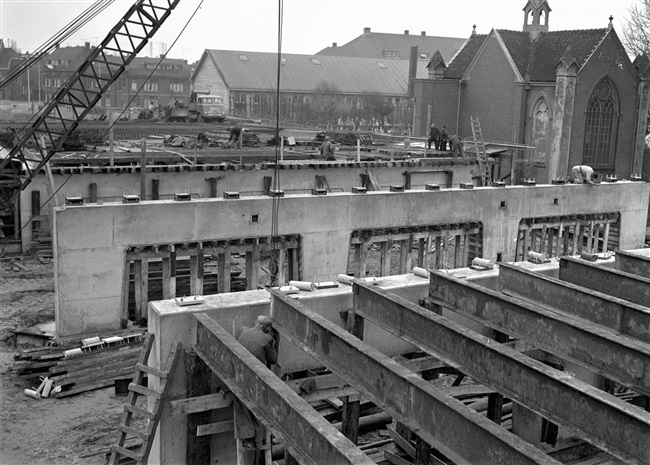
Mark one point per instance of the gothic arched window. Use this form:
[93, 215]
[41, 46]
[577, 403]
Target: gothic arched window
[602, 126]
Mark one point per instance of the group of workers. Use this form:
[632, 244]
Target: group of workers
[440, 139]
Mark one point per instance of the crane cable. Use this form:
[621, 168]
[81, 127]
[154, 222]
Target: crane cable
[274, 260]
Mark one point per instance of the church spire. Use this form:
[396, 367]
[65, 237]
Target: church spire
[536, 13]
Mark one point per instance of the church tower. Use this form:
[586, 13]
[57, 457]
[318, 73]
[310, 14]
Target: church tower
[536, 14]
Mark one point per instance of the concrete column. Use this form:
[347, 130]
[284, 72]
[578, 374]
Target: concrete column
[563, 116]
[642, 64]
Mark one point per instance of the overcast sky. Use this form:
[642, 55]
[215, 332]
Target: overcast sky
[309, 25]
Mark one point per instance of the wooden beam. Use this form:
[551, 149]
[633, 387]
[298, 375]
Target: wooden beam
[200, 403]
[304, 432]
[215, 428]
[563, 399]
[409, 399]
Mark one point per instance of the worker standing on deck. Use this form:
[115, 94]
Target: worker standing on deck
[327, 149]
[456, 146]
[583, 174]
[260, 340]
[444, 135]
[235, 135]
[434, 136]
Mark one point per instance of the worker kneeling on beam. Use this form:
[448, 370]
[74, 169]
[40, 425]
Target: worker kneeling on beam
[583, 174]
[260, 340]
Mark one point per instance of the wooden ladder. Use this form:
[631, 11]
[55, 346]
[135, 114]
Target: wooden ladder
[136, 389]
[481, 153]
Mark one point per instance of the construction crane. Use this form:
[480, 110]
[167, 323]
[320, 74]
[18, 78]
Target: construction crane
[81, 92]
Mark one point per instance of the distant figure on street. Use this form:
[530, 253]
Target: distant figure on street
[444, 135]
[327, 150]
[583, 174]
[235, 135]
[456, 146]
[260, 341]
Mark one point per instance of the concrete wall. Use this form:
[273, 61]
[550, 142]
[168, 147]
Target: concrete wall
[248, 181]
[90, 241]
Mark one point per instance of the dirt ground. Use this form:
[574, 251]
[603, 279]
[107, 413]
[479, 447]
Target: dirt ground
[46, 431]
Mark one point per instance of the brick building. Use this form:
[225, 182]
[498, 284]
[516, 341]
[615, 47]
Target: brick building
[574, 96]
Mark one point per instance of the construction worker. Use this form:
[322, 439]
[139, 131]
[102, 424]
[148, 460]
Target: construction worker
[235, 135]
[327, 150]
[444, 135]
[260, 340]
[583, 174]
[456, 146]
[434, 136]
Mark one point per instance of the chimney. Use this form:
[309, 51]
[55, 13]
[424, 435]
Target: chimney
[423, 33]
[87, 44]
[334, 44]
[611, 23]
[406, 32]
[413, 69]
[366, 30]
[474, 30]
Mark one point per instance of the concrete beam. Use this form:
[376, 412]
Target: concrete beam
[623, 285]
[633, 262]
[456, 430]
[623, 317]
[599, 418]
[599, 350]
[305, 433]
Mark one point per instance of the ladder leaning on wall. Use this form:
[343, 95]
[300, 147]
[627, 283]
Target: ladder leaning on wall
[481, 153]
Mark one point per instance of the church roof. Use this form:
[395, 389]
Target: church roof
[538, 59]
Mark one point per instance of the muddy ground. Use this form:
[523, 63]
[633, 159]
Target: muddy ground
[46, 431]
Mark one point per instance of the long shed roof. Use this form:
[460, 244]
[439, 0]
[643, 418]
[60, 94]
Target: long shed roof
[242, 70]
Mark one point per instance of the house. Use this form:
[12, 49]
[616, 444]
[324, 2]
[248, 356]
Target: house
[9, 59]
[395, 46]
[573, 95]
[364, 93]
[146, 81]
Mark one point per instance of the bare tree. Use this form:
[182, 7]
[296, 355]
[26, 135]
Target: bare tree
[636, 33]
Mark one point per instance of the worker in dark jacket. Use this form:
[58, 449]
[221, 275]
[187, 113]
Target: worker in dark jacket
[444, 135]
[327, 150]
[456, 146]
[235, 136]
[434, 136]
[260, 341]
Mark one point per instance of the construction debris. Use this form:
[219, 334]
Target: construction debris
[80, 365]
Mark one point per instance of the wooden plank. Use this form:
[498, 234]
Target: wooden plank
[144, 391]
[252, 267]
[402, 442]
[126, 275]
[404, 252]
[384, 259]
[172, 272]
[200, 404]
[215, 428]
[224, 272]
[166, 277]
[396, 459]
[85, 388]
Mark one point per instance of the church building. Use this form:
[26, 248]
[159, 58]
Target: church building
[574, 97]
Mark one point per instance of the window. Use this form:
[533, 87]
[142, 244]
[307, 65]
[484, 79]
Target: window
[424, 56]
[381, 65]
[315, 61]
[601, 127]
[150, 66]
[134, 86]
[389, 54]
[151, 86]
[47, 82]
[243, 57]
[176, 87]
